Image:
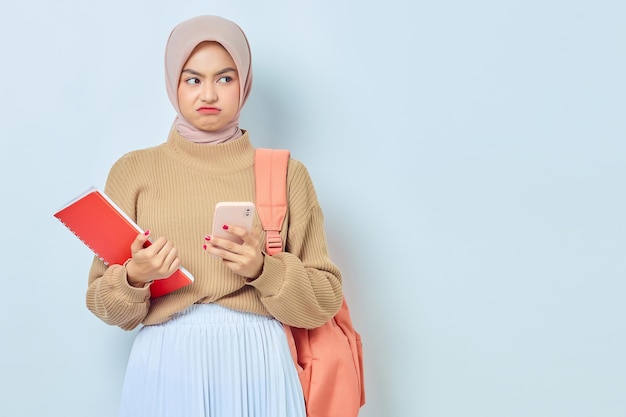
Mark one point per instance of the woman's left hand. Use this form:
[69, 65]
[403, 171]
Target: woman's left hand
[245, 259]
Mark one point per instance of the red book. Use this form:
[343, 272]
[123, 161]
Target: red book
[96, 220]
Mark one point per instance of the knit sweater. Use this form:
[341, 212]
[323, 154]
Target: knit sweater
[171, 190]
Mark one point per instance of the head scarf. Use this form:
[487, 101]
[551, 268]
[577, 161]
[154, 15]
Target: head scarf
[181, 43]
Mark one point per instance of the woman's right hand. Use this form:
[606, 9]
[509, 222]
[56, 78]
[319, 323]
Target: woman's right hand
[157, 261]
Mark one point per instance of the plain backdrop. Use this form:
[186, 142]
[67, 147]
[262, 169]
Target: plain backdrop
[469, 156]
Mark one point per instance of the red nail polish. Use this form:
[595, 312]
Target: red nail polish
[204, 247]
[207, 238]
[225, 227]
[147, 232]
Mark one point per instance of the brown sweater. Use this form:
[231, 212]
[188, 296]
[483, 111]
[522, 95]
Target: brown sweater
[171, 190]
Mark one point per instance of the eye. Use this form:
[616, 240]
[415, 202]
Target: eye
[225, 79]
[192, 81]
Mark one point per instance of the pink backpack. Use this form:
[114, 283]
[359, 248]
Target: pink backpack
[329, 358]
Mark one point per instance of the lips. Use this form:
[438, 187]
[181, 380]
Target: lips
[208, 110]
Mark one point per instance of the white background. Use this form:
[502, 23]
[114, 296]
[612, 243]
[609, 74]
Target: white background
[469, 157]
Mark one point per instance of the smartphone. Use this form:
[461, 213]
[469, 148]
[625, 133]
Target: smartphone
[239, 214]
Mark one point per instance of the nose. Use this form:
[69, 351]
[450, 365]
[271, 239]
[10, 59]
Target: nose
[208, 94]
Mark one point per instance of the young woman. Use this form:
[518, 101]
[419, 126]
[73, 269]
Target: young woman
[217, 346]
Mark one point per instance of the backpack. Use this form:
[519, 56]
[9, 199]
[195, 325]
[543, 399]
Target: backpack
[329, 359]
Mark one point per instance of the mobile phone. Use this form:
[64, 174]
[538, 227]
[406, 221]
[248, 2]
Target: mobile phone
[239, 214]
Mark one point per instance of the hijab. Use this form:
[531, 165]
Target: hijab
[182, 41]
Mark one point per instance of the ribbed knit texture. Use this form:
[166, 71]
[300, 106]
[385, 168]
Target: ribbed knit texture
[172, 190]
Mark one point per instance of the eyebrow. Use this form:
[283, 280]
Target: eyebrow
[220, 72]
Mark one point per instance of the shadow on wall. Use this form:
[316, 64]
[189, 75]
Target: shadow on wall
[366, 304]
[271, 112]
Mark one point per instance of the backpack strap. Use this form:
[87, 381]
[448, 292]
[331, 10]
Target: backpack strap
[270, 172]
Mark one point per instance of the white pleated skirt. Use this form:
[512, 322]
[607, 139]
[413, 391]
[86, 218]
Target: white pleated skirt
[210, 361]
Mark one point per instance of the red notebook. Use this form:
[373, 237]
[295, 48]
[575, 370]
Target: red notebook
[96, 220]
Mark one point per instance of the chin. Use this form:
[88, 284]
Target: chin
[207, 128]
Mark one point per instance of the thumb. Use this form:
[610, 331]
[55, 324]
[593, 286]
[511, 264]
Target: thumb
[140, 242]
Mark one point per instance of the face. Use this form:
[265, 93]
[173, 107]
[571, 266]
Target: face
[208, 90]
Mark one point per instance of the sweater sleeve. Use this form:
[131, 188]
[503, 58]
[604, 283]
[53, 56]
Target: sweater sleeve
[301, 286]
[109, 295]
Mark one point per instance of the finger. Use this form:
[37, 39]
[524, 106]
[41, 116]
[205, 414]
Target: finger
[166, 261]
[139, 241]
[171, 260]
[233, 252]
[158, 246]
[249, 238]
[225, 244]
[168, 269]
[210, 245]
[236, 231]
[223, 249]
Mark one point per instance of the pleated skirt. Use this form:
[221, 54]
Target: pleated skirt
[210, 361]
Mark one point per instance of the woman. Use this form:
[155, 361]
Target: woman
[217, 346]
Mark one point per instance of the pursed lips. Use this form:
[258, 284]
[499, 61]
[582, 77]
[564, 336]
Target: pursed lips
[208, 110]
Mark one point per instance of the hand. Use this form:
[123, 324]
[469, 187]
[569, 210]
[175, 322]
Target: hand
[157, 261]
[245, 259]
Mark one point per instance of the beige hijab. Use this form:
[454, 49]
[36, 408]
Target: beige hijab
[182, 41]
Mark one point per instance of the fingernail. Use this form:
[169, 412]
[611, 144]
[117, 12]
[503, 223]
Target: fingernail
[147, 232]
[225, 227]
[204, 247]
[207, 238]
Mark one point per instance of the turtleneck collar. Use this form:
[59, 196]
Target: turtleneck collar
[225, 157]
